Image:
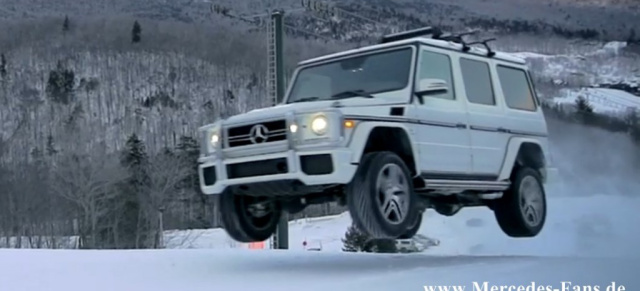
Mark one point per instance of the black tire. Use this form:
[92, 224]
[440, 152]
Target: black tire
[411, 232]
[364, 201]
[240, 224]
[514, 216]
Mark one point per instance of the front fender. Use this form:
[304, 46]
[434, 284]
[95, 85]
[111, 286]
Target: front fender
[361, 134]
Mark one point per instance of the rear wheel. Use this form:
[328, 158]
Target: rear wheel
[249, 218]
[522, 210]
[381, 198]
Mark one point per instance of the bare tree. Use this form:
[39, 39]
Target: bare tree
[88, 181]
[165, 172]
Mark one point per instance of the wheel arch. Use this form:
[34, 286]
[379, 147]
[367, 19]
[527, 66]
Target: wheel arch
[381, 136]
[524, 151]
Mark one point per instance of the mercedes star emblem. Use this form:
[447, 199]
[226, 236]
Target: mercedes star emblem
[259, 133]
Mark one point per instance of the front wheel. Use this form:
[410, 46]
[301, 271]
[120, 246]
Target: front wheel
[381, 198]
[411, 232]
[522, 210]
[247, 218]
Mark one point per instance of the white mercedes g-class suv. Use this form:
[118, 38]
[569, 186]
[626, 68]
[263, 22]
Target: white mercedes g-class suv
[421, 120]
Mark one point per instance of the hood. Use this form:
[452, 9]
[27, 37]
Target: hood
[283, 109]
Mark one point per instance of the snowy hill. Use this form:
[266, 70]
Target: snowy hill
[594, 64]
[606, 101]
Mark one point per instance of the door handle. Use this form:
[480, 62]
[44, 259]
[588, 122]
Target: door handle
[461, 125]
[502, 129]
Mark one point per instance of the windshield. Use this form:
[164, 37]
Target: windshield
[360, 76]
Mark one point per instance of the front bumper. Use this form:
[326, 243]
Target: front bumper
[309, 167]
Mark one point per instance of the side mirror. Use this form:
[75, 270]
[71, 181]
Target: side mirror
[431, 86]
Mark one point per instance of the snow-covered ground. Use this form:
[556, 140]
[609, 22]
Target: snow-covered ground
[606, 64]
[596, 226]
[603, 100]
[586, 241]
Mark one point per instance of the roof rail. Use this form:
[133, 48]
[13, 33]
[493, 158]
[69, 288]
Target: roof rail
[429, 30]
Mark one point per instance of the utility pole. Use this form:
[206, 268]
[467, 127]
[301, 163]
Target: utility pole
[275, 57]
[275, 87]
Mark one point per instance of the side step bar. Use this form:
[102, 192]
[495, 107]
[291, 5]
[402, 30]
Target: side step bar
[453, 185]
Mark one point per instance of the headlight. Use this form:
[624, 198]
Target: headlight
[319, 125]
[214, 138]
[210, 137]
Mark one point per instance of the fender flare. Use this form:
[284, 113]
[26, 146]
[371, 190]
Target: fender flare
[513, 148]
[360, 137]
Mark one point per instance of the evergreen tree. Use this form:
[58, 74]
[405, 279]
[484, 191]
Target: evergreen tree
[584, 111]
[132, 233]
[51, 149]
[136, 32]
[136, 154]
[358, 241]
[36, 154]
[188, 150]
[354, 240]
[3, 66]
[60, 84]
[65, 24]
[632, 37]
[583, 105]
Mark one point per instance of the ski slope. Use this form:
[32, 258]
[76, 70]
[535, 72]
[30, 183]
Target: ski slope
[586, 241]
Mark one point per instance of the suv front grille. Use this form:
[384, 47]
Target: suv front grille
[257, 133]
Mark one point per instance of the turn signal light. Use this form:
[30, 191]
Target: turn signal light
[349, 124]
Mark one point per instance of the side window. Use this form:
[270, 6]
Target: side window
[436, 66]
[477, 81]
[516, 89]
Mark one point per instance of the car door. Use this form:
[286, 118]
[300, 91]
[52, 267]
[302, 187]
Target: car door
[441, 133]
[489, 136]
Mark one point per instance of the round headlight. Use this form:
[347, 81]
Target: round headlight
[214, 139]
[319, 125]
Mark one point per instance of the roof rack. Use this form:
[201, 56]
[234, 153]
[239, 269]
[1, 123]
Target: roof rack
[429, 30]
[490, 53]
[457, 38]
[439, 35]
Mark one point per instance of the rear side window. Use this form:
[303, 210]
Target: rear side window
[516, 88]
[477, 81]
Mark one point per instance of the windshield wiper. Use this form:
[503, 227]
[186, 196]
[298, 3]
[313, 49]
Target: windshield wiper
[351, 93]
[306, 99]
